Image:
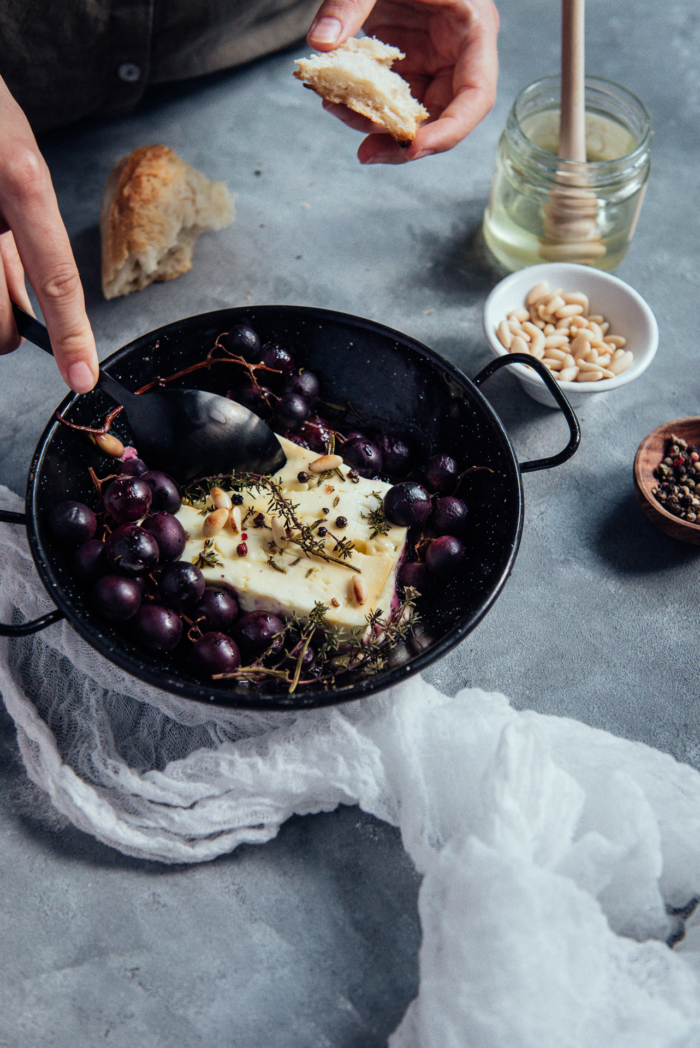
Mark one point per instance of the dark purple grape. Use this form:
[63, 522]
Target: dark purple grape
[444, 555]
[355, 434]
[415, 575]
[251, 397]
[168, 533]
[156, 627]
[216, 609]
[297, 439]
[274, 355]
[292, 411]
[449, 516]
[134, 467]
[131, 550]
[407, 503]
[88, 563]
[116, 598]
[395, 452]
[254, 633]
[317, 433]
[307, 662]
[127, 499]
[303, 384]
[364, 456]
[242, 341]
[167, 495]
[441, 472]
[72, 523]
[181, 585]
[214, 653]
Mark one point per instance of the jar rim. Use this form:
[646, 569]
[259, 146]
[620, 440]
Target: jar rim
[547, 159]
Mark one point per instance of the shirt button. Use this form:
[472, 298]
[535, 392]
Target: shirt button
[129, 71]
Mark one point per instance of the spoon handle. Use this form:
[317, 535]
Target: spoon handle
[35, 332]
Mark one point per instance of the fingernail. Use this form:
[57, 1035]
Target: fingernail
[80, 378]
[325, 31]
[378, 158]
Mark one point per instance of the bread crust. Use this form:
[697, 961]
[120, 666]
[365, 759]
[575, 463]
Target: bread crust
[154, 206]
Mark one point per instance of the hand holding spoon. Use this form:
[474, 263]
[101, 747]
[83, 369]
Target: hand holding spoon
[183, 432]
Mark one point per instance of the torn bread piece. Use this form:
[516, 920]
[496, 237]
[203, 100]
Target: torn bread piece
[359, 75]
[154, 207]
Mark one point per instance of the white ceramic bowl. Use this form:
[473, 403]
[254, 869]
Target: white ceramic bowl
[624, 308]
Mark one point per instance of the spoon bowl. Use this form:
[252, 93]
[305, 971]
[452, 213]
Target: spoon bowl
[186, 433]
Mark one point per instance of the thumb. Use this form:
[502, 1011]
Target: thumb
[336, 22]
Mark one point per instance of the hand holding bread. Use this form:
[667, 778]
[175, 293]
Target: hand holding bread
[450, 65]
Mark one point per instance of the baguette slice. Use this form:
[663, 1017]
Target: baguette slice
[358, 74]
[154, 207]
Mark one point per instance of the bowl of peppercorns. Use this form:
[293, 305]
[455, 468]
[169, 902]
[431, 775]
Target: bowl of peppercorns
[667, 478]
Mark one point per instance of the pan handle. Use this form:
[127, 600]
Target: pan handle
[558, 394]
[23, 629]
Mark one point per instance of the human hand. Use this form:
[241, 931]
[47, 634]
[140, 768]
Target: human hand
[33, 240]
[451, 66]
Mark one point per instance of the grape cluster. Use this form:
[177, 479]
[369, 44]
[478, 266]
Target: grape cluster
[133, 573]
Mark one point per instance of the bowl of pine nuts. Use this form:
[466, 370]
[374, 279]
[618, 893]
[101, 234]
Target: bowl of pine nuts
[593, 331]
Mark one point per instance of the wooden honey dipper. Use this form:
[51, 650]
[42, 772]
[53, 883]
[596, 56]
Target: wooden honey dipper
[570, 216]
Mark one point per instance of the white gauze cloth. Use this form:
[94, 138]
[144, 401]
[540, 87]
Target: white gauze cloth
[551, 853]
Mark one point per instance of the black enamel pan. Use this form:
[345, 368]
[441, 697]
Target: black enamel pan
[395, 384]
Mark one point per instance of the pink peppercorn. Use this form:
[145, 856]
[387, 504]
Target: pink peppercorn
[242, 549]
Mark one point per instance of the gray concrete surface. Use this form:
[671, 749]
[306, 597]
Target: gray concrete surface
[311, 941]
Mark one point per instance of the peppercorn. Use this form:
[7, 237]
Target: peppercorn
[237, 499]
[322, 531]
[302, 477]
[341, 522]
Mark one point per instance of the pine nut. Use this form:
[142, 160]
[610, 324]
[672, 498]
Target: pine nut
[537, 345]
[569, 311]
[234, 518]
[359, 589]
[537, 292]
[569, 362]
[504, 333]
[519, 314]
[607, 373]
[604, 327]
[604, 359]
[109, 444]
[518, 345]
[514, 326]
[554, 302]
[617, 341]
[553, 364]
[557, 354]
[325, 463]
[568, 374]
[590, 376]
[621, 363]
[220, 499]
[563, 324]
[578, 322]
[279, 533]
[554, 341]
[596, 318]
[531, 330]
[576, 297]
[549, 329]
[588, 365]
[214, 522]
[580, 345]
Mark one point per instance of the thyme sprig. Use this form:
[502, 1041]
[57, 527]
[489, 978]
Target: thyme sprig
[378, 523]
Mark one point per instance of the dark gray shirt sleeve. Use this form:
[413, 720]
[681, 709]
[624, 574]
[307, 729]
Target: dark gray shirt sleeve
[64, 61]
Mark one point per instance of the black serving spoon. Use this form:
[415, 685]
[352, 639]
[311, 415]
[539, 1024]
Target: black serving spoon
[186, 433]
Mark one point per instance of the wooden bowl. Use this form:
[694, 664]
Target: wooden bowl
[649, 454]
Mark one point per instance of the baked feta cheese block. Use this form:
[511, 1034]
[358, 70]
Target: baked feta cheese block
[302, 541]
